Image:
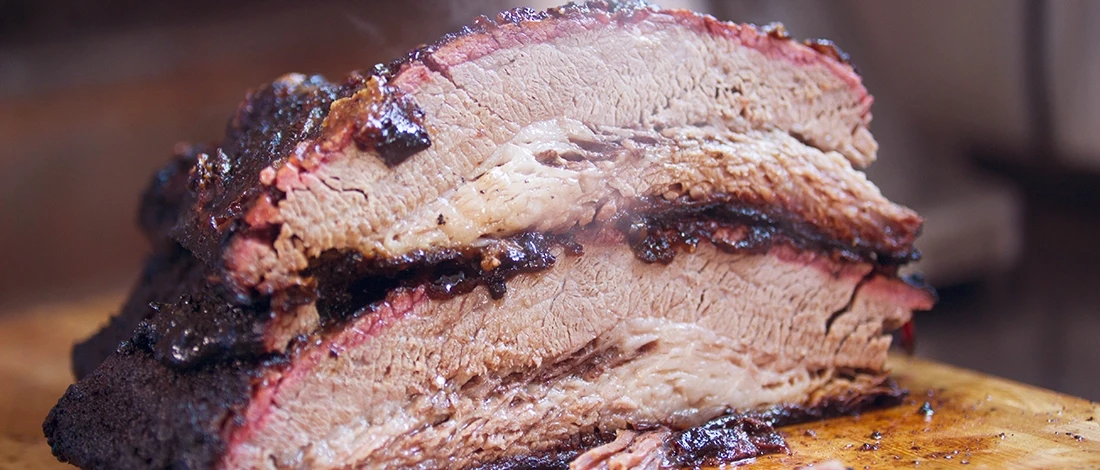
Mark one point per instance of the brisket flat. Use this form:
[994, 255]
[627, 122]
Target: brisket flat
[608, 234]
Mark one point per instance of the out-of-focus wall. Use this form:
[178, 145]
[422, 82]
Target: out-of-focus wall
[1074, 67]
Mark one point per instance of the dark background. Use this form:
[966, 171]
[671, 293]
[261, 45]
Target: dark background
[988, 113]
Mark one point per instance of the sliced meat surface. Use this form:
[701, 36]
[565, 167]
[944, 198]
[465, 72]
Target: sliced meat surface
[608, 234]
[601, 341]
[557, 103]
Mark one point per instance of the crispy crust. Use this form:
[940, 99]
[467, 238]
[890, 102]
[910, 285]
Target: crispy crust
[135, 412]
[224, 182]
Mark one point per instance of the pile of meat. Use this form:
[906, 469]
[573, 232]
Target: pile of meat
[603, 235]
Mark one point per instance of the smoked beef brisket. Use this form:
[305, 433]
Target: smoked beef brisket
[611, 228]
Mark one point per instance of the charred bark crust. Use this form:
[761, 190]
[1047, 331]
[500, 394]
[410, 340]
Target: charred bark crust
[223, 183]
[656, 227]
[135, 412]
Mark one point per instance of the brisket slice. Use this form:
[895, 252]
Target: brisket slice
[610, 227]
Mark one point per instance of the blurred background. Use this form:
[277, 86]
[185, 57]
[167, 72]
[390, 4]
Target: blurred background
[987, 112]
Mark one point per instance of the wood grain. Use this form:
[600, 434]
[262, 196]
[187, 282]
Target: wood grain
[978, 421]
[34, 371]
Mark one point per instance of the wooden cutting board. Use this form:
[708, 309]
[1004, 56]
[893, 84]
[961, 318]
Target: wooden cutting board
[978, 421]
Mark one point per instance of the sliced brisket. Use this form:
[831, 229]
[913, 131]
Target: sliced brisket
[607, 234]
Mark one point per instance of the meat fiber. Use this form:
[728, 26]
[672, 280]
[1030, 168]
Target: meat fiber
[607, 234]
